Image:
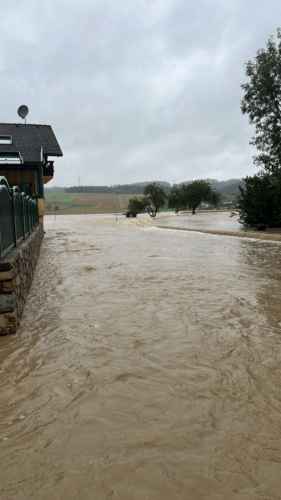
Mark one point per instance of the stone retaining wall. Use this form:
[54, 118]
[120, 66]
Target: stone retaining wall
[17, 269]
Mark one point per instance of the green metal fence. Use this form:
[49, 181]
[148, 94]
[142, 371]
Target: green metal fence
[18, 216]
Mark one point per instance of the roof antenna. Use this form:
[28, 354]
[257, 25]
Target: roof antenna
[23, 111]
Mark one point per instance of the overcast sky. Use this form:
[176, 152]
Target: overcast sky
[135, 90]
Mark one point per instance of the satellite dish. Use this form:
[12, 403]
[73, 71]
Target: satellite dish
[23, 111]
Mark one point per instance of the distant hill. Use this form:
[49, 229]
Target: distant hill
[228, 187]
[232, 189]
[231, 182]
[136, 188]
[143, 184]
[210, 181]
[217, 184]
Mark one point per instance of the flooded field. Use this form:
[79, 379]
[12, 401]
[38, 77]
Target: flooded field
[147, 367]
[213, 220]
[220, 221]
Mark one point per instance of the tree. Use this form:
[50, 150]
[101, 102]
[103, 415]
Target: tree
[260, 201]
[49, 207]
[191, 195]
[56, 207]
[262, 103]
[136, 205]
[176, 198]
[154, 198]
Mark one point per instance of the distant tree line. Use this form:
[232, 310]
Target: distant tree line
[230, 187]
[54, 189]
[117, 189]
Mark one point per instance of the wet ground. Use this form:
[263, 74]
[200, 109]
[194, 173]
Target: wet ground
[147, 366]
[220, 221]
[213, 220]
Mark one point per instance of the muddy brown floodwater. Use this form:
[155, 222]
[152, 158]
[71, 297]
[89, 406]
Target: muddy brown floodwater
[147, 367]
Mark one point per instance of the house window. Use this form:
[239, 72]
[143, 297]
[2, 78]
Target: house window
[10, 157]
[5, 139]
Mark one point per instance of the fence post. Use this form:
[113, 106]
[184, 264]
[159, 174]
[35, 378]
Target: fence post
[32, 222]
[28, 215]
[14, 218]
[23, 214]
[30, 211]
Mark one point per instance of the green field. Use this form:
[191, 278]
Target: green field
[92, 203]
[60, 198]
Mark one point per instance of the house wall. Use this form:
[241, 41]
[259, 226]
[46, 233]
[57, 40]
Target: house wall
[41, 201]
[17, 270]
[41, 209]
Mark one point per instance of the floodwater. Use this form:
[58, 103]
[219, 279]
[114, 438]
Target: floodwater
[220, 221]
[147, 367]
[213, 220]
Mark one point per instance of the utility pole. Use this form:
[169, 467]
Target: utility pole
[79, 179]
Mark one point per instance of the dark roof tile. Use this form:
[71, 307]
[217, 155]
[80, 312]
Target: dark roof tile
[28, 140]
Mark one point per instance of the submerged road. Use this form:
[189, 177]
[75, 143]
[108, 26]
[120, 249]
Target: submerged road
[147, 367]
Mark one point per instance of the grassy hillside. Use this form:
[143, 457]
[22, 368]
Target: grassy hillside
[92, 203]
[123, 199]
[60, 198]
[103, 201]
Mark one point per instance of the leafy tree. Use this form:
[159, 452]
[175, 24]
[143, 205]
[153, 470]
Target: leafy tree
[176, 198]
[260, 201]
[262, 101]
[56, 207]
[191, 195]
[49, 207]
[154, 198]
[136, 205]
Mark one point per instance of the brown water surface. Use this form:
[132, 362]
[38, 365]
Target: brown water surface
[213, 220]
[147, 367]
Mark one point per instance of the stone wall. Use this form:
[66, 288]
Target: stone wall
[17, 269]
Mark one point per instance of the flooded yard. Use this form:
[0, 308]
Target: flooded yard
[212, 220]
[147, 367]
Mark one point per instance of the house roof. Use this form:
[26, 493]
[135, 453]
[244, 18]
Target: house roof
[28, 140]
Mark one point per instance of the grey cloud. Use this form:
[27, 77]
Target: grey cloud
[135, 90]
